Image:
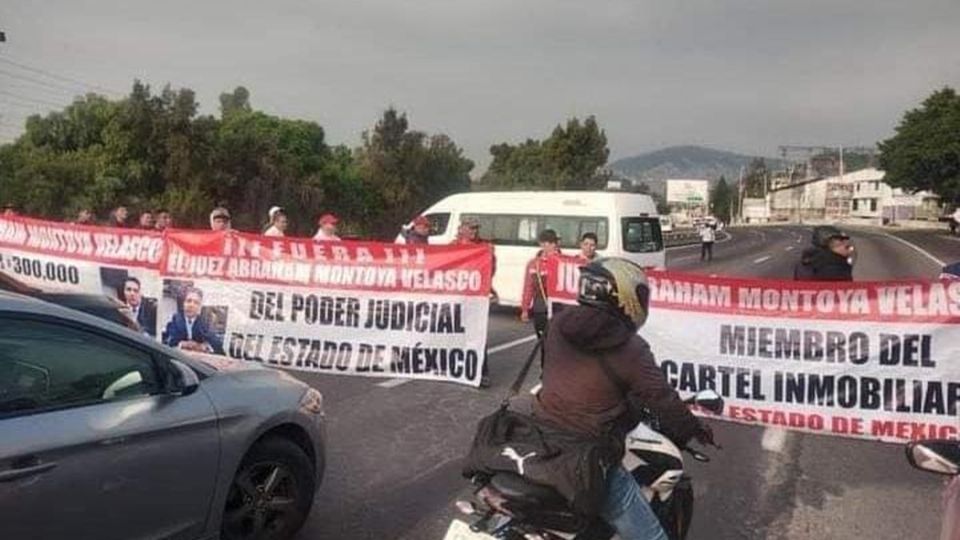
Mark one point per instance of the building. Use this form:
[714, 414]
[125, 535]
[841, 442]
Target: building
[688, 198]
[874, 199]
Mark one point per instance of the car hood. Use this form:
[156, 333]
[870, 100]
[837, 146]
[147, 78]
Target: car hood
[218, 362]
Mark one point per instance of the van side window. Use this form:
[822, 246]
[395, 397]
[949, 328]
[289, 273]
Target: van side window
[642, 235]
[438, 223]
[523, 230]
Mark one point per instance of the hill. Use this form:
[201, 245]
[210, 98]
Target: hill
[684, 162]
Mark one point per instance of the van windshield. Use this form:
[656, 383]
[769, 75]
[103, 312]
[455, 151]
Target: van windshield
[642, 235]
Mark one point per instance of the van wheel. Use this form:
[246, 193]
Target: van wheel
[271, 494]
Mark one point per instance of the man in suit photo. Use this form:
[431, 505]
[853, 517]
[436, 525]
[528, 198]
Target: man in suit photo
[187, 329]
[144, 310]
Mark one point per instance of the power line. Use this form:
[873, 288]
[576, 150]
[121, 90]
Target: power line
[32, 100]
[53, 86]
[55, 76]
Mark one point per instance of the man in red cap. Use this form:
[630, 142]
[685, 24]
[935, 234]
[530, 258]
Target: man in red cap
[419, 233]
[328, 229]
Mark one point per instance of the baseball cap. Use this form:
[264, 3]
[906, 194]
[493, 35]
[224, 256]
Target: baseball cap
[273, 211]
[329, 219]
[220, 212]
[420, 220]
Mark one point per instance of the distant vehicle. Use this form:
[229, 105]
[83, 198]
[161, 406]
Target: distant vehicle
[666, 224]
[626, 224]
[941, 457]
[98, 305]
[107, 434]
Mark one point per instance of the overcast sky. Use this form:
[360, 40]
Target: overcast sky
[740, 75]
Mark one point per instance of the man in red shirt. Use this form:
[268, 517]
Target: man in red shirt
[536, 301]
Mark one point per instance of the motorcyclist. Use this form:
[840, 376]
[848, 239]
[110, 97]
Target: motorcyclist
[828, 259]
[599, 373]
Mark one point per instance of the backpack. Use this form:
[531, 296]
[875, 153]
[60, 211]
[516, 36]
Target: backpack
[573, 464]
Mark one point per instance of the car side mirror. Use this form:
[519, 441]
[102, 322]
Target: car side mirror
[709, 400]
[183, 381]
[939, 456]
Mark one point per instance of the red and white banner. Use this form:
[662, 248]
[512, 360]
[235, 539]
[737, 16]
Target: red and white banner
[53, 256]
[359, 308]
[872, 360]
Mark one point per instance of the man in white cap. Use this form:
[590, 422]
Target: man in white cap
[278, 222]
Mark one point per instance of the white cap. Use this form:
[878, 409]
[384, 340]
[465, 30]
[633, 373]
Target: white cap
[273, 210]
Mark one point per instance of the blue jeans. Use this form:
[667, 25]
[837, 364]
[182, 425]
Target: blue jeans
[627, 511]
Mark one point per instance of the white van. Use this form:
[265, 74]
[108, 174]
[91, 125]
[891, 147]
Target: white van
[626, 225]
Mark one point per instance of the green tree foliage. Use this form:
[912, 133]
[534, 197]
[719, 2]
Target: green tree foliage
[722, 200]
[405, 170]
[152, 150]
[924, 154]
[570, 158]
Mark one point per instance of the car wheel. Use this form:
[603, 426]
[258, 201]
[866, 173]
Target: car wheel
[271, 493]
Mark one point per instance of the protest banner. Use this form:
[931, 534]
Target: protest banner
[358, 308]
[872, 360]
[53, 256]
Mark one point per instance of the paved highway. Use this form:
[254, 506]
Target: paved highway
[395, 446]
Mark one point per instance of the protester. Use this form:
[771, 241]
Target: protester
[220, 219]
[270, 215]
[164, 221]
[829, 259]
[951, 271]
[708, 235]
[187, 329]
[419, 233]
[278, 223]
[588, 247]
[536, 301]
[328, 229]
[469, 233]
[146, 221]
[143, 311]
[118, 218]
[84, 217]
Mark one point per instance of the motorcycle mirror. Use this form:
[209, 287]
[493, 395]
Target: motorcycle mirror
[709, 400]
[939, 456]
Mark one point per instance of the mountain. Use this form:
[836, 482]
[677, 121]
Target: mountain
[685, 162]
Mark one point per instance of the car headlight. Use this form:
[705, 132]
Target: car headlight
[312, 401]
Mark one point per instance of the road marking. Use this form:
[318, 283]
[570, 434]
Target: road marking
[788, 248]
[773, 439]
[917, 248]
[393, 383]
[511, 344]
[762, 259]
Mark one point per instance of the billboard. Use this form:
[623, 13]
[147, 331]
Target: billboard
[687, 191]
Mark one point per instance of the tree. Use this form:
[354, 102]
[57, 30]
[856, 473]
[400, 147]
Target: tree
[924, 154]
[406, 170]
[570, 158]
[721, 200]
[756, 179]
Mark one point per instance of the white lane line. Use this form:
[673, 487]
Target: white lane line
[788, 248]
[762, 259]
[393, 383]
[917, 248]
[726, 238]
[773, 439]
[511, 344]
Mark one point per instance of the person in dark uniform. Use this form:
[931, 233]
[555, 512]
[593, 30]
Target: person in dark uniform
[830, 258]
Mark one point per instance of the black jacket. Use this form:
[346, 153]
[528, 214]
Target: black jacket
[579, 396]
[820, 264]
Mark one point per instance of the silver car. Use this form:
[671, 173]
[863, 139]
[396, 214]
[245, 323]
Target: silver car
[105, 434]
